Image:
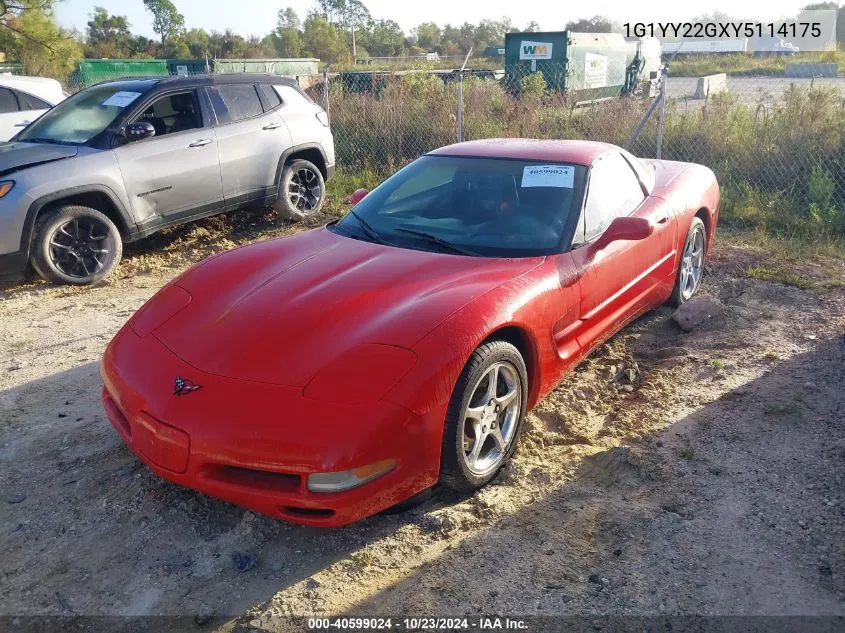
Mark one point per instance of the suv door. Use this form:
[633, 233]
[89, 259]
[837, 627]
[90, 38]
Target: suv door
[251, 140]
[176, 173]
[17, 110]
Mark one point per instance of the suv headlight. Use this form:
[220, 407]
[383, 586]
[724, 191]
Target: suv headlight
[6, 187]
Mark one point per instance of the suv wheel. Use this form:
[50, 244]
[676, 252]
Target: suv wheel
[75, 245]
[301, 191]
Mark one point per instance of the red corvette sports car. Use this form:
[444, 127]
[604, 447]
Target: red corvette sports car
[324, 377]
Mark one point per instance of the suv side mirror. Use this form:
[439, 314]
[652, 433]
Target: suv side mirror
[359, 195]
[625, 228]
[138, 131]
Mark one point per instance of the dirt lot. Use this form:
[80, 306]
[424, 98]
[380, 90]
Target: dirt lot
[711, 483]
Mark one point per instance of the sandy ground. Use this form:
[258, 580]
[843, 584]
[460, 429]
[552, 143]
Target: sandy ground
[711, 483]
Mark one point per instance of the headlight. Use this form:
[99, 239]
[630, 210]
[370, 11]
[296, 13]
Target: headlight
[164, 304]
[348, 479]
[6, 187]
[361, 375]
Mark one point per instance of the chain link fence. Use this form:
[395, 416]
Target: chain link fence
[777, 145]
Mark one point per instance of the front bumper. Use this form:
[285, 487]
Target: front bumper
[254, 444]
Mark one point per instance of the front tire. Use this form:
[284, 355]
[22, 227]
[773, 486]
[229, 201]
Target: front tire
[75, 245]
[691, 267]
[302, 191]
[484, 418]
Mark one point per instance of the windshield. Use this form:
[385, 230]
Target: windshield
[473, 206]
[81, 117]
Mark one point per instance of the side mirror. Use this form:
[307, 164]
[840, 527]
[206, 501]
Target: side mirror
[359, 195]
[625, 228]
[138, 131]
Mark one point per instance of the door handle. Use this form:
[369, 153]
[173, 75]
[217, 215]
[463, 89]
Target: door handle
[200, 142]
[272, 126]
[663, 220]
[22, 123]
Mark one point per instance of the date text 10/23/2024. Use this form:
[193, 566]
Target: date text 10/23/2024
[417, 624]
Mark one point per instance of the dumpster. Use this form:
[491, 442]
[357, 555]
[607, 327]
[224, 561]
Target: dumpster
[288, 67]
[188, 66]
[588, 66]
[92, 71]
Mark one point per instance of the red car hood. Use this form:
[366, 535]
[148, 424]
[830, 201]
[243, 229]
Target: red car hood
[281, 310]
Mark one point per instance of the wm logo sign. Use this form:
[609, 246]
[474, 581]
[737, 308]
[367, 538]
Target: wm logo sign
[535, 50]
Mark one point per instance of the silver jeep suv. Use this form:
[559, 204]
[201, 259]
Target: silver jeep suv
[123, 159]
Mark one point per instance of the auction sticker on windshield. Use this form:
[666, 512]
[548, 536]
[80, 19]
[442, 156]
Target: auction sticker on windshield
[561, 176]
[121, 99]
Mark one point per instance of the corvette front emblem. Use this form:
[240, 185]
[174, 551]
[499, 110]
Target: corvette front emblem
[182, 386]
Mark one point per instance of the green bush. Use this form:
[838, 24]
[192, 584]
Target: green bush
[781, 165]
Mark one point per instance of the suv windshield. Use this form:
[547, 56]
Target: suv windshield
[473, 206]
[81, 117]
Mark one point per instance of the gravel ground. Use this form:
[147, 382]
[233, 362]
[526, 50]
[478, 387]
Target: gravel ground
[708, 479]
[750, 90]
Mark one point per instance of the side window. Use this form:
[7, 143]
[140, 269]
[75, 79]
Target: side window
[30, 102]
[172, 113]
[614, 192]
[289, 94]
[271, 97]
[241, 101]
[8, 102]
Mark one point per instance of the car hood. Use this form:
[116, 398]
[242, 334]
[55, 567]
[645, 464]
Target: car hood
[281, 310]
[15, 155]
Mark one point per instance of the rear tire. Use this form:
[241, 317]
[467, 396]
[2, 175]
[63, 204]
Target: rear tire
[301, 191]
[75, 245]
[480, 413]
[691, 265]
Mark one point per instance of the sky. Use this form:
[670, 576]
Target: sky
[258, 17]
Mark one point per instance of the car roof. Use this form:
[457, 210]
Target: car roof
[43, 87]
[205, 79]
[563, 151]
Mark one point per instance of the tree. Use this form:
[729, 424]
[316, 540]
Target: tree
[595, 24]
[167, 21]
[532, 27]
[29, 32]
[198, 44]
[142, 46]
[287, 38]
[321, 39]
[428, 36]
[176, 48]
[354, 14]
[332, 10]
[288, 19]
[108, 35]
[227, 45]
[384, 38]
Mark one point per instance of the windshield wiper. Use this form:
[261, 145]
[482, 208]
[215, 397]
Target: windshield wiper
[368, 230]
[433, 239]
[42, 140]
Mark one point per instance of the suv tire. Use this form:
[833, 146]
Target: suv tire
[301, 191]
[75, 245]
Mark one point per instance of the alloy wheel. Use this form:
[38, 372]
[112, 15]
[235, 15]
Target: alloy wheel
[692, 264]
[490, 418]
[305, 190]
[81, 247]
